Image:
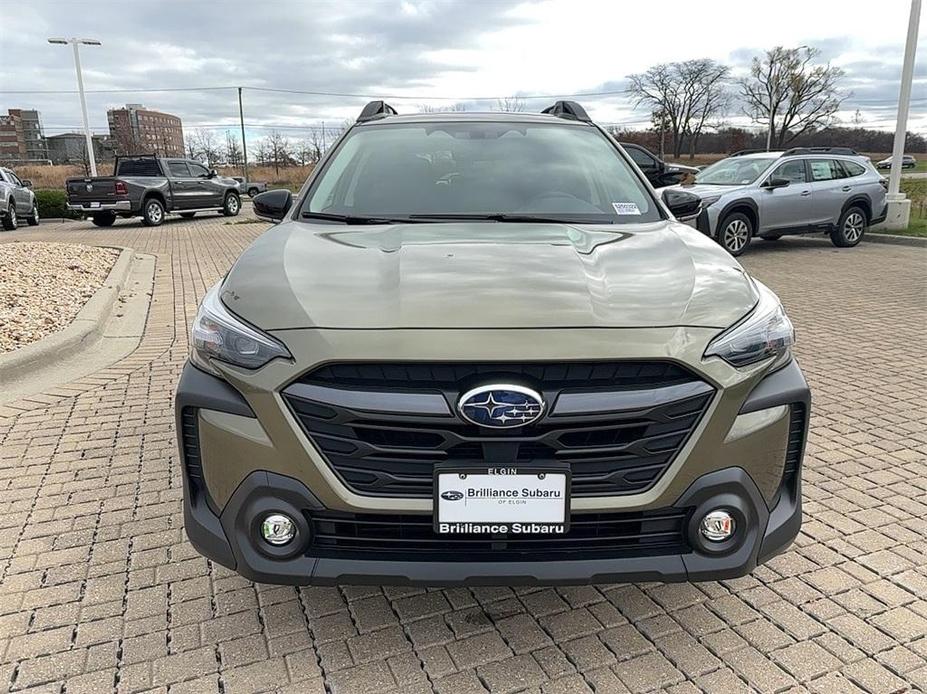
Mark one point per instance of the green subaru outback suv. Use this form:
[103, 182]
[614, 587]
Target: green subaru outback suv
[478, 348]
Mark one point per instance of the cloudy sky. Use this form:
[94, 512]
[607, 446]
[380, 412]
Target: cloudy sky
[421, 52]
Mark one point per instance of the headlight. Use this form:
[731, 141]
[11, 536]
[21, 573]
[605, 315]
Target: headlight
[765, 332]
[217, 334]
[710, 200]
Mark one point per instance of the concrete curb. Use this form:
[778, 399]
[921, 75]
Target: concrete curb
[86, 327]
[917, 241]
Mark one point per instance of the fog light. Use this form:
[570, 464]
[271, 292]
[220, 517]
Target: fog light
[717, 526]
[278, 529]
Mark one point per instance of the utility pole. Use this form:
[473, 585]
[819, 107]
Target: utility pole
[244, 144]
[80, 88]
[899, 208]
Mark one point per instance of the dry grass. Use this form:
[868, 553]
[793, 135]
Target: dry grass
[55, 176]
[291, 177]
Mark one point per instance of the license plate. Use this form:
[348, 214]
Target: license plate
[502, 500]
[94, 204]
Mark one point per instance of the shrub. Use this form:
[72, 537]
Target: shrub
[54, 203]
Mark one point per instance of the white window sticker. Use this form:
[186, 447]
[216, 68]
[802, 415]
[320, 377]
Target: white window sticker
[625, 208]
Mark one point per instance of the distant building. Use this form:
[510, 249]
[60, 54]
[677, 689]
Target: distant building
[70, 148]
[21, 137]
[137, 130]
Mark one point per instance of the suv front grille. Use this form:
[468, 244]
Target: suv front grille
[366, 421]
[411, 537]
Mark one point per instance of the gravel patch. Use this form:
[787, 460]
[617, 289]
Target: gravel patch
[44, 285]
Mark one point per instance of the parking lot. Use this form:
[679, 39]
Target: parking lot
[101, 590]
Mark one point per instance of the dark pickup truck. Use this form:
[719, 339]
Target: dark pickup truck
[152, 187]
[660, 173]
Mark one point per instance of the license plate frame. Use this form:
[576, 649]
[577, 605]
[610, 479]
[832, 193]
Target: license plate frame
[485, 474]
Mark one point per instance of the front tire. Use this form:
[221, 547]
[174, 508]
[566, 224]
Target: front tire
[33, 219]
[735, 232]
[11, 222]
[152, 212]
[851, 228]
[104, 219]
[231, 206]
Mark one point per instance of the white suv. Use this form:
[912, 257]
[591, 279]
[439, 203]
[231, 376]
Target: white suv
[802, 190]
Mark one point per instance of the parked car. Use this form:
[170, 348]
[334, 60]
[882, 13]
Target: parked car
[802, 190]
[657, 171]
[252, 188]
[907, 162]
[478, 349]
[17, 201]
[152, 187]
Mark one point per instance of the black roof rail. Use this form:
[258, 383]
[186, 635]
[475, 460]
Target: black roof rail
[568, 109]
[747, 151]
[375, 110]
[847, 151]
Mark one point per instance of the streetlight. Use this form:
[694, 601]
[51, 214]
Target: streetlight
[80, 88]
[899, 208]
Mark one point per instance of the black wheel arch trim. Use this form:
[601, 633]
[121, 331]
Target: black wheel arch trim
[733, 206]
[859, 200]
[781, 387]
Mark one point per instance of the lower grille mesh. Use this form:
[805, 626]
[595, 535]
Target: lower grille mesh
[411, 537]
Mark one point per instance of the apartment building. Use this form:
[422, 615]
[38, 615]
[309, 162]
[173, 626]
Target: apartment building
[21, 137]
[138, 130]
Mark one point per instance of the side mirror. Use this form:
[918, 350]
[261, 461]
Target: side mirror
[682, 203]
[213, 173]
[27, 183]
[273, 205]
[774, 183]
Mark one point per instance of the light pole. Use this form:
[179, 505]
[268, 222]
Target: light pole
[899, 209]
[80, 88]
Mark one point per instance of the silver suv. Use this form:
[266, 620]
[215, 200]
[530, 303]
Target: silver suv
[17, 201]
[802, 190]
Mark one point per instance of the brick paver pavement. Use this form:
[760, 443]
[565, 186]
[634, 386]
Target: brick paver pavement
[100, 589]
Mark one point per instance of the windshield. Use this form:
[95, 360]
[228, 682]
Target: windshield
[735, 171]
[479, 170]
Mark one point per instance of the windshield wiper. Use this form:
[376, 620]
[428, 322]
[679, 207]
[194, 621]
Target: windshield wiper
[502, 217]
[354, 219]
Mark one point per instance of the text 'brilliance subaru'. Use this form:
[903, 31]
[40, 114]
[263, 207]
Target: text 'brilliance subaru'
[478, 348]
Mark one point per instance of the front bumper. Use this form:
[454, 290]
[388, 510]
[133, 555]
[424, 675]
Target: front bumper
[117, 206]
[766, 499]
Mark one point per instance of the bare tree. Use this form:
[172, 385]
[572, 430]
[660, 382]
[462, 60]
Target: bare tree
[263, 152]
[203, 145]
[686, 95]
[280, 147]
[233, 153]
[511, 103]
[791, 95]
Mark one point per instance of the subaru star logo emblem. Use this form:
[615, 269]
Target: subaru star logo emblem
[501, 406]
[452, 495]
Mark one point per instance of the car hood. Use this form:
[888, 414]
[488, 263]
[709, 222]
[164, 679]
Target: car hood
[486, 275]
[704, 190]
